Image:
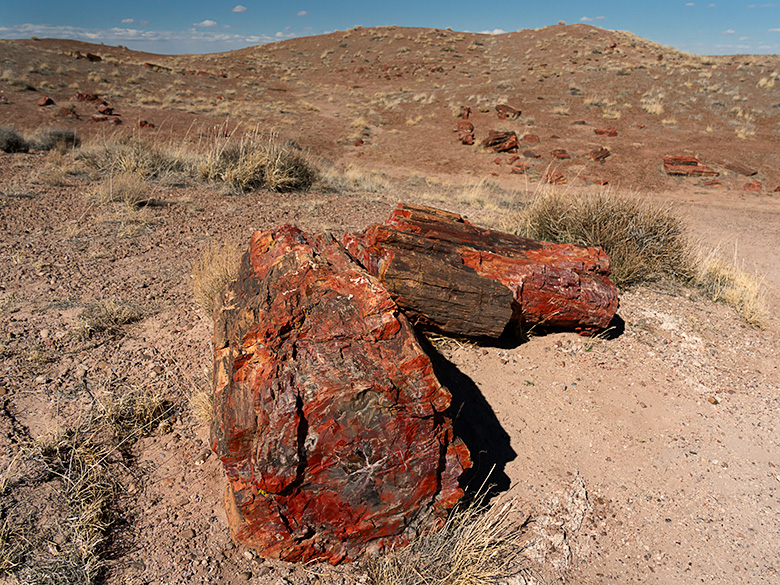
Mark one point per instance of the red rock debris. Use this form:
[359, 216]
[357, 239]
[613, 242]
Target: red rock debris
[711, 183]
[687, 166]
[87, 97]
[506, 112]
[754, 186]
[68, 113]
[45, 101]
[465, 128]
[600, 154]
[144, 124]
[499, 141]
[329, 420]
[560, 153]
[104, 118]
[739, 168]
[531, 139]
[531, 154]
[606, 132]
[521, 168]
[554, 178]
[104, 108]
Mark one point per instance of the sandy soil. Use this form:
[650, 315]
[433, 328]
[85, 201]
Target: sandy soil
[651, 456]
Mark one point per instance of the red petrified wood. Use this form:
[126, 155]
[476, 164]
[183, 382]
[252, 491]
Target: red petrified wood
[499, 141]
[506, 112]
[328, 418]
[450, 275]
[687, 166]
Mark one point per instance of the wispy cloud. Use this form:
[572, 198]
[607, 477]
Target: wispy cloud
[690, 4]
[774, 30]
[155, 41]
[495, 31]
[128, 20]
[730, 31]
[239, 8]
[592, 18]
[302, 13]
[205, 24]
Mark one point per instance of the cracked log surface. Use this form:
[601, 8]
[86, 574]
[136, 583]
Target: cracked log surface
[450, 275]
[329, 420]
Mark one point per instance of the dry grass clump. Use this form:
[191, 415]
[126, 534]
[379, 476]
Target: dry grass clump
[11, 140]
[131, 411]
[217, 266]
[643, 239]
[59, 139]
[202, 405]
[127, 188]
[354, 179]
[478, 545]
[258, 161]
[136, 156]
[726, 282]
[106, 316]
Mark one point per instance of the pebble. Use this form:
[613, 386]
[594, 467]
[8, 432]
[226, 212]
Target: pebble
[245, 575]
[249, 555]
[188, 533]
[40, 379]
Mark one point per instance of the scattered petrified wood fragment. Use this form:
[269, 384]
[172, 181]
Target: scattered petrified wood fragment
[755, 186]
[560, 153]
[687, 166]
[738, 168]
[329, 420]
[506, 112]
[531, 139]
[465, 128]
[499, 141]
[600, 154]
[606, 132]
[448, 274]
[555, 177]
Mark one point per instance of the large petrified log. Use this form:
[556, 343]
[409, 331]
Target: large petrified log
[450, 275]
[328, 418]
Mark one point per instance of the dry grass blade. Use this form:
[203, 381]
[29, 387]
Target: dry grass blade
[127, 188]
[217, 266]
[12, 547]
[478, 545]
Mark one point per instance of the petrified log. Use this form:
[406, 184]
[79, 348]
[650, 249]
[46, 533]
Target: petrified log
[554, 178]
[600, 154]
[499, 141]
[450, 275]
[560, 153]
[328, 418]
[687, 166]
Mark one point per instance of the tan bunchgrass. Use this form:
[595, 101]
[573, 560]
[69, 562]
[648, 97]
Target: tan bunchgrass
[258, 161]
[728, 282]
[108, 316]
[478, 545]
[139, 156]
[202, 405]
[216, 267]
[644, 239]
[127, 188]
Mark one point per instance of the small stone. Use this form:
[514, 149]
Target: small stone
[713, 400]
[44, 333]
[245, 575]
[249, 555]
[188, 533]
[40, 379]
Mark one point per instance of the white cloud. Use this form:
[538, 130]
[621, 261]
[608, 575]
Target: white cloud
[495, 31]
[730, 31]
[205, 24]
[239, 8]
[591, 19]
[302, 13]
[690, 4]
[774, 30]
[128, 20]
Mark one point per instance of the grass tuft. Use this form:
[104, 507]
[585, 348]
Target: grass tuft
[106, 316]
[127, 188]
[478, 545]
[217, 266]
[135, 156]
[643, 239]
[59, 139]
[727, 282]
[11, 140]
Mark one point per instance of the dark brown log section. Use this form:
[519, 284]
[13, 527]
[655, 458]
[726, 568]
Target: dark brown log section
[687, 166]
[450, 275]
[328, 420]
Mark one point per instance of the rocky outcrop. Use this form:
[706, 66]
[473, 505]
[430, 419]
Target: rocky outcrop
[329, 420]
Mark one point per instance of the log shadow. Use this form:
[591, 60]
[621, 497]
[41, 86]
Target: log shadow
[475, 422]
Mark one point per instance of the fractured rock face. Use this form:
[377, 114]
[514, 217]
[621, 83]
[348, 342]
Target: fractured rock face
[329, 420]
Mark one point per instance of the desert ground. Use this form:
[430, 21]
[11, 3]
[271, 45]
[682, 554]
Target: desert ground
[648, 455]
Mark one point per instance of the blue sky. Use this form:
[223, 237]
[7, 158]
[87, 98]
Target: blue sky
[199, 26]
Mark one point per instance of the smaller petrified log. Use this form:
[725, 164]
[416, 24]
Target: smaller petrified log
[448, 274]
[329, 420]
[687, 166]
[554, 178]
[560, 153]
[499, 141]
[606, 132]
[506, 112]
[600, 154]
